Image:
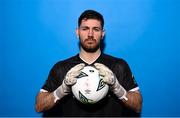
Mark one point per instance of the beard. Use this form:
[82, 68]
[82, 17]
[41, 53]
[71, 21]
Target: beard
[90, 44]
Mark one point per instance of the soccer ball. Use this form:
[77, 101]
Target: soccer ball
[89, 88]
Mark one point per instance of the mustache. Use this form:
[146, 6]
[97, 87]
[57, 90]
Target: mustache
[90, 39]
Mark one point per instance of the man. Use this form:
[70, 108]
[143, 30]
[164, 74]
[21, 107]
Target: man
[123, 99]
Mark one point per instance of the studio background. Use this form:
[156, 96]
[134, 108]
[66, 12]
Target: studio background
[35, 34]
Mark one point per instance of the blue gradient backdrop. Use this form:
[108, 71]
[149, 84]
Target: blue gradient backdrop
[35, 34]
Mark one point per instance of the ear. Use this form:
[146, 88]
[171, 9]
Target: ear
[77, 32]
[103, 34]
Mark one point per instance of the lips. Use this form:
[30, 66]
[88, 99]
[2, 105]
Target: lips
[90, 41]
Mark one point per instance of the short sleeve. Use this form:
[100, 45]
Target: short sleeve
[125, 76]
[54, 79]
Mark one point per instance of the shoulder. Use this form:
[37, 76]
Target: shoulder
[117, 65]
[60, 68]
[114, 60]
[66, 62]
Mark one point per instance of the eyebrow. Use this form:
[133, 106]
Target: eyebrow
[88, 27]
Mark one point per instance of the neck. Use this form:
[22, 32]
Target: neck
[89, 57]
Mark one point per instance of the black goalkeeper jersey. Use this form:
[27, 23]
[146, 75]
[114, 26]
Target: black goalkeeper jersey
[108, 106]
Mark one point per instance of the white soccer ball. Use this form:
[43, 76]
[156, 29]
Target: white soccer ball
[89, 87]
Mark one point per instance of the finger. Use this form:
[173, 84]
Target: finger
[102, 67]
[76, 73]
[81, 66]
[73, 74]
[102, 73]
[98, 65]
[76, 68]
[72, 81]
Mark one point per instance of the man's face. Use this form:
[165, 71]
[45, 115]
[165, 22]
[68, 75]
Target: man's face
[90, 34]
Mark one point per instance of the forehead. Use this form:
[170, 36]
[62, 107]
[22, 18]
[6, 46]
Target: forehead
[90, 23]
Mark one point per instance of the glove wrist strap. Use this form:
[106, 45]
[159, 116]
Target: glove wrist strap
[119, 90]
[61, 91]
[56, 97]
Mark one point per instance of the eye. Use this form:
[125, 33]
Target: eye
[97, 29]
[84, 28]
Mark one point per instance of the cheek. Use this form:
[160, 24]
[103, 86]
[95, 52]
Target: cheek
[98, 36]
[82, 37]
[83, 34]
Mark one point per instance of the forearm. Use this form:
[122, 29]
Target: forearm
[44, 101]
[134, 101]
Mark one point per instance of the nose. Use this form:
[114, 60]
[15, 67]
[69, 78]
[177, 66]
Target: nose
[90, 33]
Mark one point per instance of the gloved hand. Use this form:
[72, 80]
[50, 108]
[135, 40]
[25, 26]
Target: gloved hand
[110, 79]
[69, 80]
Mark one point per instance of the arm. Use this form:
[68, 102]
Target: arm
[44, 101]
[131, 99]
[134, 101]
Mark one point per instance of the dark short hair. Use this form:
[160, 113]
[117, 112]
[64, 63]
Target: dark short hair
[91, 14]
